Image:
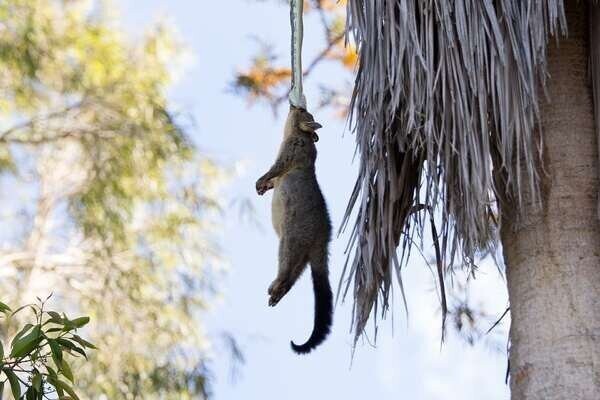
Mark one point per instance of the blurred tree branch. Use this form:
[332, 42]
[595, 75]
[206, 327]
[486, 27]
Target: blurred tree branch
[265, 81]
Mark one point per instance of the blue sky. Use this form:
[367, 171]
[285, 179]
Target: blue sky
[407, 361]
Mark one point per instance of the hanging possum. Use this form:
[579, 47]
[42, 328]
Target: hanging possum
[301, 220]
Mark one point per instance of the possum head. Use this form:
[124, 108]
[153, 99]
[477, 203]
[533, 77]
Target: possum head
[300, 121]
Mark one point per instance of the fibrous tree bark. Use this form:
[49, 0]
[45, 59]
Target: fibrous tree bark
[552, 252]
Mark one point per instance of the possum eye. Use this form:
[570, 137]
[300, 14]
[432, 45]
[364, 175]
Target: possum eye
[315, 137]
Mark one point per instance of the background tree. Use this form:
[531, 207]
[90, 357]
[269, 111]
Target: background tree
[105, 201]
[456, 134]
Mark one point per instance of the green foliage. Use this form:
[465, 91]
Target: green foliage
[37, 365]
[117, 209]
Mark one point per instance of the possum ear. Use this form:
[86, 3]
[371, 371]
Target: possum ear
[310, 126]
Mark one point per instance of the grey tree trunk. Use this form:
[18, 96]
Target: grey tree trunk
[553, 254]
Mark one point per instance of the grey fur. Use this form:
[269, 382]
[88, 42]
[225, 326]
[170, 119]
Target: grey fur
[299, 214]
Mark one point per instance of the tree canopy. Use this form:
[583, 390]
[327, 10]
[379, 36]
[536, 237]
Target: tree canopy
[106, 200]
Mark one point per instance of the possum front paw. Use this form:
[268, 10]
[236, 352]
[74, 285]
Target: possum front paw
[277, 290]
[263, 185]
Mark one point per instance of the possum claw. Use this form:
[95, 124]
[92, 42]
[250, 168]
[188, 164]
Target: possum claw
[263, 186]
[276, 291]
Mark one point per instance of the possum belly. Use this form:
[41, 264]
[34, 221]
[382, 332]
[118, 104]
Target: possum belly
[278, 207]
[294, 200]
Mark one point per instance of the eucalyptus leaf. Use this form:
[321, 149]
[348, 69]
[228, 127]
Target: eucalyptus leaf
[81, 321]
[23, 331]
[4, 308]
[36, 382]
[71, 346]
[20, 309]
[67, 388]
[53, 380]
[15, 385]
[83, 342]
[54, 315]
[51, 372]
[56, 351]
[27, 343]
[66, 371]
[30, 394]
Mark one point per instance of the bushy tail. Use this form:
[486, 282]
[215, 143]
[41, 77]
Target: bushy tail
[323, 312]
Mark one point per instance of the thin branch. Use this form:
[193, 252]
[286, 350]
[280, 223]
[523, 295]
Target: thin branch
[323, 18]
[499, 320]
[29, 124]
[316, 61]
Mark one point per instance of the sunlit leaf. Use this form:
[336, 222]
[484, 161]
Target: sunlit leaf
[53, 380]
[51, 372]
[20, 309]
[4, 308]
[81, 321]
[55, 316]
[83, 342]
[27, 343]
[67, 388]
[69, 345]
[66, 370]
[56, 351]
[22, 332]
[36, 382]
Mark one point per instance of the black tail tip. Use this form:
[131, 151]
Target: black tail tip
[303, 348]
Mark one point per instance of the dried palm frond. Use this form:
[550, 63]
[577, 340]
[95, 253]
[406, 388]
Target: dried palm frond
[445, 109]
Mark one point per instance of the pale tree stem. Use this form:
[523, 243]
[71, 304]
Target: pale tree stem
[37, 241]
[552, 253]
[296, 95]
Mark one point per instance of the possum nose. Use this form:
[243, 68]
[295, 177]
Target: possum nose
[311, 126]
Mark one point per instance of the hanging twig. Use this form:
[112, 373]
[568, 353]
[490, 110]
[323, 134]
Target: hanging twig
[440, 271]
[499, 320]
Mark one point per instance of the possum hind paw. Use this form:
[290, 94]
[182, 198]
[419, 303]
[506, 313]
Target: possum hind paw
[276, 291]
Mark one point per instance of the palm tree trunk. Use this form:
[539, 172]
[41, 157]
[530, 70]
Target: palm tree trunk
[552, 254]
